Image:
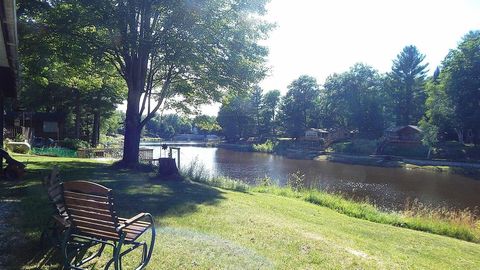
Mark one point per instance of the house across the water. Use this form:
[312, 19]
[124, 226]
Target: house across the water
[404, 134]
[315, 134]
[330, 135]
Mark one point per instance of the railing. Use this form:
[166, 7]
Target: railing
[115, 153]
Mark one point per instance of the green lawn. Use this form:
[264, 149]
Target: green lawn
[201, 227]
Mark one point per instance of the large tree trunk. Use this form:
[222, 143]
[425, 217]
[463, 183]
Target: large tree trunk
[460, 135]
[2, 124]
[476, 139]
[78, 113]
[96, 129]
[132, 127]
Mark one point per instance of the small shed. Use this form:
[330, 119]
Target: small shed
[404, 134]
[38, 124]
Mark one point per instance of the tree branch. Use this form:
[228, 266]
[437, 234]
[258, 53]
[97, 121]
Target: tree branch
[163, 94]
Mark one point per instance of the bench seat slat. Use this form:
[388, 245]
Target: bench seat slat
[105, 221]
[106, 235]
[88, 203]
[95, 226]
[89, 214]
[89, 209]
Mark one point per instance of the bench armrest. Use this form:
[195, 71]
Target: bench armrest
[130, 221]
[61, 220]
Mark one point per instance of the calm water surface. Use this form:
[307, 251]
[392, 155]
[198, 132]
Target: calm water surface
[387, 187]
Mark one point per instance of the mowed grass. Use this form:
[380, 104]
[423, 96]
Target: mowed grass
[202, 227]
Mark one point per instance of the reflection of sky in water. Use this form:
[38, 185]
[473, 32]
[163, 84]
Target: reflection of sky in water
[387, 187]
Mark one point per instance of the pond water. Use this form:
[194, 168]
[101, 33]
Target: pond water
[389, 188]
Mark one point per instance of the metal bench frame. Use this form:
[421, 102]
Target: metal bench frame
[93, 221]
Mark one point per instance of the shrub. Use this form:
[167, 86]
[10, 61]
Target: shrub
[54, 152]
[357, 147]
[74, 144]
[264, 181]
[267, 147]
[414, 151]
[296, 181]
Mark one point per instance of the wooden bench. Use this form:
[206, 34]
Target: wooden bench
[90, 211]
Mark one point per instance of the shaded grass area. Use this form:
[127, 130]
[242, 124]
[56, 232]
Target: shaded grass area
[201, 227]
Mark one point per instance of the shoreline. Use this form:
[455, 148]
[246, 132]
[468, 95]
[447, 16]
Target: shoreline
[469, 169]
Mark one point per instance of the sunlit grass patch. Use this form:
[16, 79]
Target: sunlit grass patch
[461, 224]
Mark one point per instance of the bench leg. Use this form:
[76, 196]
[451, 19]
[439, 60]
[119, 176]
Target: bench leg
[117, 247]
[64, 246]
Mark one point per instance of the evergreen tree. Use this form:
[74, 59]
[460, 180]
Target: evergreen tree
[407, 86]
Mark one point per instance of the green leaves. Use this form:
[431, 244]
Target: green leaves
[298, 108]
[355, 100]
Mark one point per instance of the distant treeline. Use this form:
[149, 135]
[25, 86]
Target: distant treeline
[445, 105]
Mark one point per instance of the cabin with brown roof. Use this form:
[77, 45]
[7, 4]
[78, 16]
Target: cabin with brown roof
[404, 134]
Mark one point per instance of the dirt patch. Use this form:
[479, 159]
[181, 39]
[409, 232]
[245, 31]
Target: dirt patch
[10, 237]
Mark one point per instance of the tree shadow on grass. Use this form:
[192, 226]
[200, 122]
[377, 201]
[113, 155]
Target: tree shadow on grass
[134, 192]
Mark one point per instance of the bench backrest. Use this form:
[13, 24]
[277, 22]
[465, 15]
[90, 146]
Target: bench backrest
[90, 208]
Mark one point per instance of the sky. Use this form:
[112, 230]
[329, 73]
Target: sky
[322, 37]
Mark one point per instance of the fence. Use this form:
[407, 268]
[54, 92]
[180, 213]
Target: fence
[115, 153]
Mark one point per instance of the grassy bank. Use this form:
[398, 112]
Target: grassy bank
[203, 227]
[461, 224]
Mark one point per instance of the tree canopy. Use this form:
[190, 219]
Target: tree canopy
[172, 54]
[298, 108]
[60, 76]
[454, 98]
[355, 100]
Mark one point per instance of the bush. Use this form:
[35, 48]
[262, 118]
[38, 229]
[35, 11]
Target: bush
[456, 151]
[54, 152]
[296, 181]
[111, 141]
[413, 151]
[357, 147]
[74, 144]
[267, 147]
